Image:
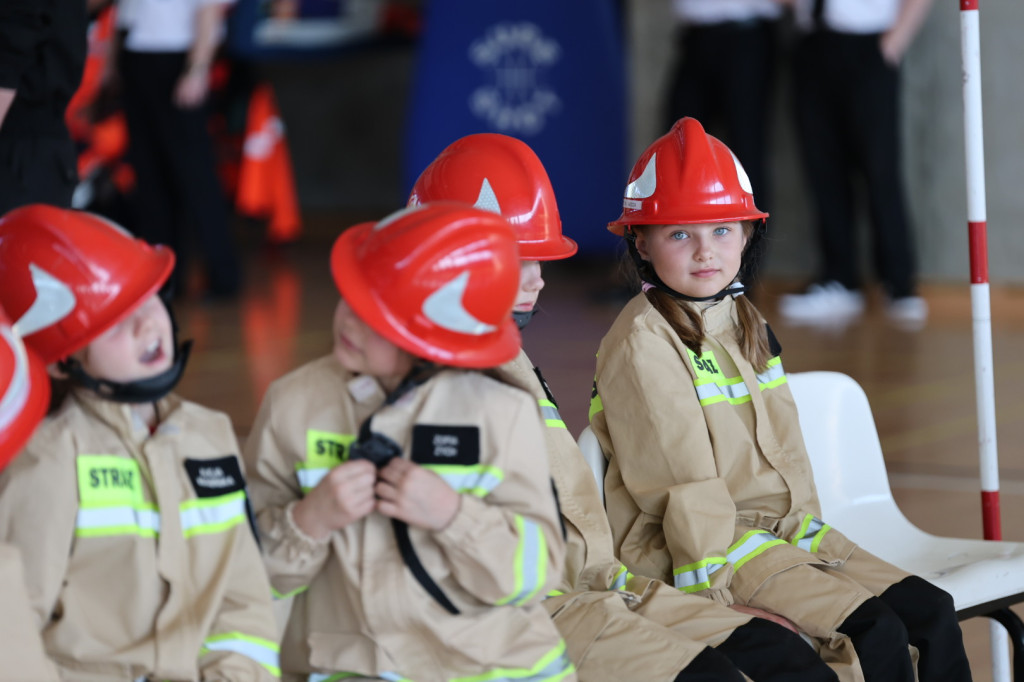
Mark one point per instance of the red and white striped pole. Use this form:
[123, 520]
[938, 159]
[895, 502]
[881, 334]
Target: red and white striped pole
[981, 309]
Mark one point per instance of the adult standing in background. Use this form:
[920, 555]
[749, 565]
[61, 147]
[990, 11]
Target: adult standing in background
[42, 56]
[725, 77]
[166, 55]
[846, 92]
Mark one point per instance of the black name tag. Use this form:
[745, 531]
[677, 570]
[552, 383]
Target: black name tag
[445, 444]
[213, 477]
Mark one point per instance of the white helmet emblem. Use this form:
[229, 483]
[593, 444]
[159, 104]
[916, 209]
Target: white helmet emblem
[54, 300]
[16, 395]
[647, 183]
[487, 201]
[445, 309]
[742, 176]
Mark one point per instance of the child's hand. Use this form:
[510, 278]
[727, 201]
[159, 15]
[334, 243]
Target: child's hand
[767, 615]
[410, 493]
[343, 496]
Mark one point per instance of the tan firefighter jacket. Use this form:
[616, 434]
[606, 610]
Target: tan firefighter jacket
[140, 559]
[21, 651]
[709, 486]
[358, 608]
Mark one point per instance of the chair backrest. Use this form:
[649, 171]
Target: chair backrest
[591, 449]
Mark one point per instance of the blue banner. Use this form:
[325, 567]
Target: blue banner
[549, 72]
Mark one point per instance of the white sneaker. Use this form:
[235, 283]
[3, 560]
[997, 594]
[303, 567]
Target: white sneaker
[907, 311]
[822, 304]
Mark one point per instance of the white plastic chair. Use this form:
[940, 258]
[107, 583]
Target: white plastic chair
[984, 577]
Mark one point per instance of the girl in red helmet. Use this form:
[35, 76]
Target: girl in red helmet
[24, 392]
[403, 493]
[636, 627]
[708, 484]
[128, 503]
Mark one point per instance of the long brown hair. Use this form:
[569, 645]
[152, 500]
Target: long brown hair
[685, 320]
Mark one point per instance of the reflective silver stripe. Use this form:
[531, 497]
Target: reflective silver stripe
[530, 563]
[809, 540]
[117, 521]
[698, 578]
[478, 480]
[550, 413]
[771, 374]
[619, 582]
[309, 478]
[750, 545]
[263, 653]
[212, 514]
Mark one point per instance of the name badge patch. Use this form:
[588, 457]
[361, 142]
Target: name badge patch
[108, 481]
[215, 477]
[434, 444]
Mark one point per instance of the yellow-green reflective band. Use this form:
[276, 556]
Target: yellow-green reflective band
[554, 666]
[478, 480]
[334, 677]
[750, 545]
[773, 375]
[324, 451]
[279, 595]
[812, 532]
[620, 579]
[549, 411]
[531, 563]
[555, 593]
[110, 498]
[206, 515]
[595, 406]
[697, 576]
[263, 651]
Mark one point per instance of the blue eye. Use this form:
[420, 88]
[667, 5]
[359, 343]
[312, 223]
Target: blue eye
[679, 235]
[722, 231]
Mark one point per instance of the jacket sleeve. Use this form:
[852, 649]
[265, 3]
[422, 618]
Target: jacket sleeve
[23, 25]
[242, 642]
[507, 547]
[662, 449]
[292, 559]
[38, 509]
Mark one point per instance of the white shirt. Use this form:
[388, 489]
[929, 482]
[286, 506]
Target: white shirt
[851, 16]
[160, 25]
[719, 11]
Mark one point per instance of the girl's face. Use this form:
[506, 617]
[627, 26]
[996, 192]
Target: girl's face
[139, 347]
[530, 284]
[361, 350]
[697, 260]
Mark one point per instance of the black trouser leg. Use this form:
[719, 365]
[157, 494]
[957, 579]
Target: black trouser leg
[710, 666]
[768, 652]
[930, 618]
[880, 640]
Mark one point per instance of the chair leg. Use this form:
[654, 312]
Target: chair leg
[1015, 628]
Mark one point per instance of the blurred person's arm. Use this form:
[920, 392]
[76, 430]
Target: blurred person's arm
[6, 98]
[22, 28]
[896, 40]
[194, 83]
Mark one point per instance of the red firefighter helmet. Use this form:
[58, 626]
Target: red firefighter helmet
[501, 174]
[687, 176]
[67, 276]
[437, 280]
[24, 391]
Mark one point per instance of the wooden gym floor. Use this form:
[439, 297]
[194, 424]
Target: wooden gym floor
[920, 383]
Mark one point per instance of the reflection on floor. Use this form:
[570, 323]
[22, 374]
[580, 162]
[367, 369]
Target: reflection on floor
[920, 384]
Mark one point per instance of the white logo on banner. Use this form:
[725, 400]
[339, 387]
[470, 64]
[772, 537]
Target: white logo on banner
[516, 55]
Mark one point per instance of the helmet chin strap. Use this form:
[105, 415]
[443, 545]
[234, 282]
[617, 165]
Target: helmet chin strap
[141, 391]
[649, 276]
[523, 318]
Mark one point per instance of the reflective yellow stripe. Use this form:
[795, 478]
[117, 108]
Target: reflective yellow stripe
[279, 595]
[111, 500]
[263, 651]
[478, 480]
[206, 515]
[596, 405]
[530, 565]
[554, 666]
[812, 532]
[324, 451]
[697, 576]
[550, 413]
[713, 387]
[750, 545]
